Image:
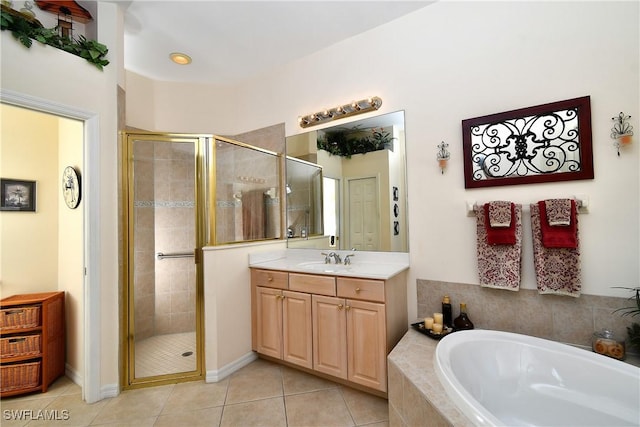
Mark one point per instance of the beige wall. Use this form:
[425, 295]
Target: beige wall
[30, 239]
[71, 82]
[71, 244]
[43, 251]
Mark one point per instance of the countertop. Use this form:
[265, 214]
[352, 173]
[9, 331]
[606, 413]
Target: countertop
[368, 265]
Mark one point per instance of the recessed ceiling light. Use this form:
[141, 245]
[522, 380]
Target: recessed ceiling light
[180, 58]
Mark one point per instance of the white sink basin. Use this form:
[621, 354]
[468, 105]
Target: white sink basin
[321, 266]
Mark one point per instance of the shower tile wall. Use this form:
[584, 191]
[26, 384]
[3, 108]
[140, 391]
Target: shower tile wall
[174, 171]
[144, 272]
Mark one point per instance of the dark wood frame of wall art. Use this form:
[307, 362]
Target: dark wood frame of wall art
[4, 202]
[583, 106]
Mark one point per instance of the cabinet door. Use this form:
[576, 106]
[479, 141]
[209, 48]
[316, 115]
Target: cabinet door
[296, 329]
[329, 336]
[269, 321]
[366, 344]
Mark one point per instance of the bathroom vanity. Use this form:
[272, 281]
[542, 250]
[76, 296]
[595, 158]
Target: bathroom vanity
[334, 320]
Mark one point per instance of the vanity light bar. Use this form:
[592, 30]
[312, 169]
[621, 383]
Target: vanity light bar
[341, 111]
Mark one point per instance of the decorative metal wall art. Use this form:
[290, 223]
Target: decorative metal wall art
[621, 131]
[544, 143]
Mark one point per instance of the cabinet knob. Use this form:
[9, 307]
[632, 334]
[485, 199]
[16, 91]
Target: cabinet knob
[347, 307]
[269, 279]
[340, 306]
[357, 290]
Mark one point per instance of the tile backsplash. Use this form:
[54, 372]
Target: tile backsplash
[558, 318]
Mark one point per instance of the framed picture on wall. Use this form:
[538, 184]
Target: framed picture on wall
[17, 195]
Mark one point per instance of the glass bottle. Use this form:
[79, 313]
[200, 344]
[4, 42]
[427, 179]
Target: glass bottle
[462, 322]
[447, 317]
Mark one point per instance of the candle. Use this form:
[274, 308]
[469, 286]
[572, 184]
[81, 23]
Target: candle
[428, 322]
[437, 318]
[437, 328]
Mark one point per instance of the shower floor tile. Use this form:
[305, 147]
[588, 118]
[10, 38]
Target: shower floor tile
[163, 354]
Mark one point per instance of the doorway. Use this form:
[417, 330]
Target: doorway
[164, 238]
[363, 214]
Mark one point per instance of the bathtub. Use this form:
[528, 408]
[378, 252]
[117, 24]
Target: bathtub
[505, 379]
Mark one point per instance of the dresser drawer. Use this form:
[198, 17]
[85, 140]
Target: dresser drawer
[365, 289]
[321, 285]
[270, 278]
[19, 317]
[20, 346]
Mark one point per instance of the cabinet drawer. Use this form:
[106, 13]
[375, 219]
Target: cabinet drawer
[270, 278]
[19, 317]
[365, 289]
[20, 345]
[321, 285]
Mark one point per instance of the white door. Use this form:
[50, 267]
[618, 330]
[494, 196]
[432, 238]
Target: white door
[364, 215]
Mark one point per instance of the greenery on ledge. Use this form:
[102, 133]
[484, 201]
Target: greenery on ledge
[633, 331]
[346, 142]
[27, 29]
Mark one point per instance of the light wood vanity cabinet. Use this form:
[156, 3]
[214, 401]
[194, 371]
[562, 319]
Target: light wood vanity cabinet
[283, 323]
[340, 327]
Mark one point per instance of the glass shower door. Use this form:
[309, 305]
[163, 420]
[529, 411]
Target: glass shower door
[164, 332]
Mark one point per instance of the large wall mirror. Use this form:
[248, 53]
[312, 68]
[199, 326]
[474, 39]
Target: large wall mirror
[346, 186]
[545, 143]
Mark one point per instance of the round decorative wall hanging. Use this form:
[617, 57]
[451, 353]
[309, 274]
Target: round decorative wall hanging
[71, 187]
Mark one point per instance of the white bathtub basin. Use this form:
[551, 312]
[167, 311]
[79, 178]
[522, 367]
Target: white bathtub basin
[505, 379]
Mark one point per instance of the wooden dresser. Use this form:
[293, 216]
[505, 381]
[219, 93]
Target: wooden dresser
[32, 338]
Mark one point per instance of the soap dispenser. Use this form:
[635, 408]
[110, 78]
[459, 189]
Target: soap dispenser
[462, 322]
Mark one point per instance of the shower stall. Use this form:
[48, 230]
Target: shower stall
[181, 193]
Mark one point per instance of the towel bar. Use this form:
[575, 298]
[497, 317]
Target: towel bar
[582, 203]
[162, 255]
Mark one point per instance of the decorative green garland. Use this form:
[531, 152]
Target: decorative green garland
[25, 30]
[347, 142]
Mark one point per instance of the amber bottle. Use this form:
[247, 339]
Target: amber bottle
[462, 322]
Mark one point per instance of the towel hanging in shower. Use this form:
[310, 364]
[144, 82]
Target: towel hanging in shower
[499, 265]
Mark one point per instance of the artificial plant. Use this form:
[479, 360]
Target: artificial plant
[346, 142]
[26, 30]
[633, 331]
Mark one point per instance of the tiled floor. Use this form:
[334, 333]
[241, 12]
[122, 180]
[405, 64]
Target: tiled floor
[163, 354]
[260, 394]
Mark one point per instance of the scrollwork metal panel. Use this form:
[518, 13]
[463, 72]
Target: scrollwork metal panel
[550, 142]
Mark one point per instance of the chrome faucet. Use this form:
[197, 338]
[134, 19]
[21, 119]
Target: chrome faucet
[347, 259]
[328, 256]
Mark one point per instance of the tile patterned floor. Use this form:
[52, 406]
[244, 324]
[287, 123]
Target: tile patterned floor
[260, 394]
[162, 354]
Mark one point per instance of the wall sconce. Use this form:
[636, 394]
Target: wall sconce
[443, 156]
[621, 131]
[341, 111]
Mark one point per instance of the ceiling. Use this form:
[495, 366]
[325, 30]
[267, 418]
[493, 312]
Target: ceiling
[232, 41]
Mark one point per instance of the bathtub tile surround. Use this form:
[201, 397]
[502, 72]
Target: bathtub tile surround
[553, 317]
[415, 394]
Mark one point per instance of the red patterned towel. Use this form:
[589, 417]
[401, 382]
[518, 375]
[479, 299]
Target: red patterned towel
[499, 265]
[500, 213]
[559, 236]
[557, 269]
[558, 211]
[500, 235]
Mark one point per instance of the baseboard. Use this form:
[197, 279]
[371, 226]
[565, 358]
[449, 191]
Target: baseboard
[72, 374]
[225, 371]
[109, 390]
